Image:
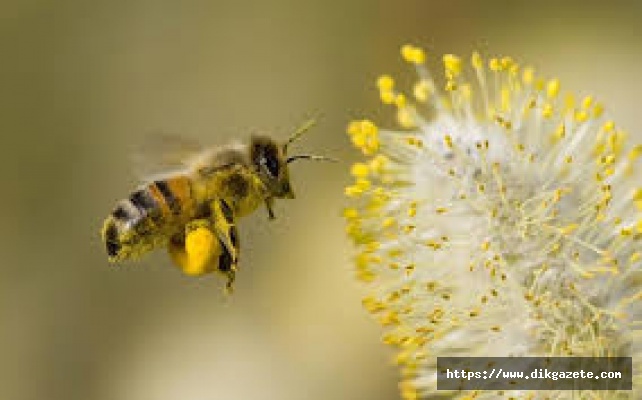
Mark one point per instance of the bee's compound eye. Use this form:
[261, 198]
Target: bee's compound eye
[272, 165]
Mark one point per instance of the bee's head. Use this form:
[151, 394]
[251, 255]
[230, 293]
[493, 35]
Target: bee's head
[270, 162]
[270, 159]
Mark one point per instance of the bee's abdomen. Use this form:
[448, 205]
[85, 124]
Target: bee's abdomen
[147, 218]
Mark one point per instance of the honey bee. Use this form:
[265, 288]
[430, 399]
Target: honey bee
[193, 210]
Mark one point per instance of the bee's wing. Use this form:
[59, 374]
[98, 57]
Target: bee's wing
[163, 153]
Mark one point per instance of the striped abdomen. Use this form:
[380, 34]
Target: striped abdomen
[148, 218]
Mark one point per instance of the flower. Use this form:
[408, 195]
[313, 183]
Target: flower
[500, 220]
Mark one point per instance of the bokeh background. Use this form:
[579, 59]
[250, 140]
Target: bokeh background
[83, 82]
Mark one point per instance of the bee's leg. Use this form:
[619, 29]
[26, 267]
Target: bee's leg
[198, 250]
[269, 202]
[223, 224]
[231, 277]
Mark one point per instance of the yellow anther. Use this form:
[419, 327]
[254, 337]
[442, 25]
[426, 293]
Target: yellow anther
[350, 213]
[569, 102]
[409, 229]
[587, 102]
[400, 100]
[528, 76]
[412, 54]
[378, 163]
[598, 110]
[385, 82]
[539, 84]
[626, 232]
[581, 116]
[560, 132]
[506, 63]
[363, 184]
[609, 126]
[421, 91]
[387, 96]
[452, 64]
[485, 245]
[391, 318]
[451, 86]
[389, 222]
[352, 191]
[608, 159]
[406, 118]
[494, 64]
[414, 141]
[364, 135]
[360, 170]
[547, 110]
[568, 229]
[635, 152]
[553, 88]
[637, 198]
[448, 141]
[373, 305]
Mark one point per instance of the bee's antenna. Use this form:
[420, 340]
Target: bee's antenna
[299, 132]
[310, 157]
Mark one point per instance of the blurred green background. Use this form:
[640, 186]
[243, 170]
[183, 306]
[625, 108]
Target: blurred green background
[83, 82]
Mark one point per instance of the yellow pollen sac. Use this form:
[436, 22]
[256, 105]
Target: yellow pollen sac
[413, 54]
[363, 184]
[353, 191]
[528, 76]
[506, 63]
[553, 88]
[200, 247]
[406, 118]
[385, 82]
[637, 198]
[452, 64]
[387, 96]
[547, 110]
[360, 170]
[378, 163]
[567, 230]
[364, 135]
[609, 126]
[635, 152]
[400, 100]
[587, 102]
[414, 141]
[560, 132]
[389, 222]
[448, 141]
[451, 86]
[581, 116]
[494, 64]
[350, 213]
[421, 91]
[569, 102]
